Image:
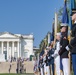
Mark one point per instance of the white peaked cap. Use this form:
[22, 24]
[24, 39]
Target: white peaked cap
[58, 33]
[64, 24]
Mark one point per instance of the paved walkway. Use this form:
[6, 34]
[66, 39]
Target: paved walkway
[4, 67]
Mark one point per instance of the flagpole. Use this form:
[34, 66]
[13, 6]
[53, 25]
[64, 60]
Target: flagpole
[55, 29]
[49, 37]
[70, 27]
[56, 23]
[55, 26]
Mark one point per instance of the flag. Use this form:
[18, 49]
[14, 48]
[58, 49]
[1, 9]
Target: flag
[73, 5]
[52, 35]
[65, 19]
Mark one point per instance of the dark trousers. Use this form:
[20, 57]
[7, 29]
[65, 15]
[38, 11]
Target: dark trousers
[74, 63]
[53, 68]
[61, 66]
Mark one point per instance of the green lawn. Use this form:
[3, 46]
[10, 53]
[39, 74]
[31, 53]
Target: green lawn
[16, 74]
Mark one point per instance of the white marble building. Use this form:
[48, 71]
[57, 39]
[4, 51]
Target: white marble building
[15, 45]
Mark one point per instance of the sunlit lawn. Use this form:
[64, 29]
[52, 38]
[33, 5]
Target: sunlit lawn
[20, 74]
[16, 74]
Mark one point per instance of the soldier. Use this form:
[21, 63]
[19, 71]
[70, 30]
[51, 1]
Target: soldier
[63, 52]
[72, 45]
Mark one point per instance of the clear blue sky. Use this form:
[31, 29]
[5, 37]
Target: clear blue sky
[28, 16]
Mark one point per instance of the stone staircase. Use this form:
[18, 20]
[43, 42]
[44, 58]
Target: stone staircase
[4, 67]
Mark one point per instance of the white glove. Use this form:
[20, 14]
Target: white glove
[67, 48]
[55, 55]
[48, 57]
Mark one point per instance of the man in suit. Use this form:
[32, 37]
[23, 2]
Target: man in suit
[72, 44]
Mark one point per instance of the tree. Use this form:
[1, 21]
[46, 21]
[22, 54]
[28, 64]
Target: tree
[43, 43]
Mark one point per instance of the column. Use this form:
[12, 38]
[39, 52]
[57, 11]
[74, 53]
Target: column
[13, 48]
[18, 48]
[7, 50]
[2, 47]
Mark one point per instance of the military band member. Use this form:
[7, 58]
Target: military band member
[72, 45]
[63, 52]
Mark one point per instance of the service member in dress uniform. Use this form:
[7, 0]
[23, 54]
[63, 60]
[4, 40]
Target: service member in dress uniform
[63, 52]
[51, 58]
[41, 65]
[46, 63]
[72, 45]
[57, 48]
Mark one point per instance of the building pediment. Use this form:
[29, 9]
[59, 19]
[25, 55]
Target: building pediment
[8, 35]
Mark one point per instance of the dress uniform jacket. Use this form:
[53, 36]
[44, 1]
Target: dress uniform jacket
[41, 63]
[63, 43]
[72, 47]
[72, 44]
[51, 60]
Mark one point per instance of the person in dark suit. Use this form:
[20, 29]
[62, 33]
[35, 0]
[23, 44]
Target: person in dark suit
[63, 52]
[72, 44]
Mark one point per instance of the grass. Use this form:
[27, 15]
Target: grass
[16, 74]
